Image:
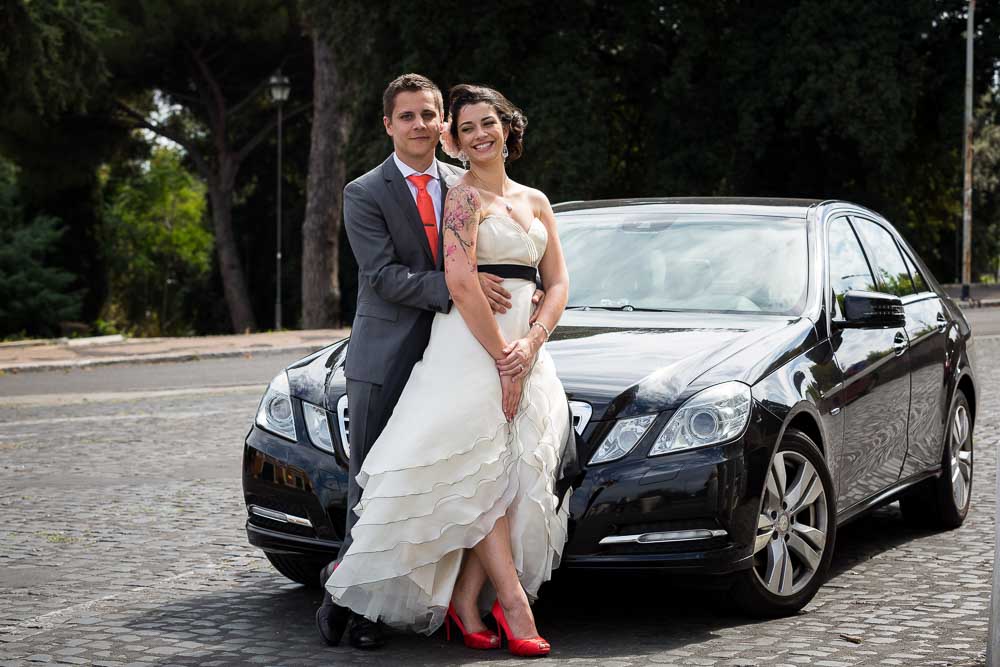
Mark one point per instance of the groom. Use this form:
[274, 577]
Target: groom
[392, 216]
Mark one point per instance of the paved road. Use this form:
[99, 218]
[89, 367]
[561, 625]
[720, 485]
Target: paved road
[122, 543]
[253, 370]
[984, 321]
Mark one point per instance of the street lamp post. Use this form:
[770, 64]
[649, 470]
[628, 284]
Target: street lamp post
[967, 158]
[279, 88]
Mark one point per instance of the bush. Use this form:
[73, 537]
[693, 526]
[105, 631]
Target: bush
[34, 296]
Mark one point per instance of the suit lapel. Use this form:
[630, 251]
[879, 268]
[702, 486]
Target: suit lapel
[401, 193]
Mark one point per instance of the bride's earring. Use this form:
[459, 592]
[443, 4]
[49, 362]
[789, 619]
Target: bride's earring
[464, 159]
[505, 152]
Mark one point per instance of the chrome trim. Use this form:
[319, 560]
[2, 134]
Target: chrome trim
[274, 515]
[343, 421]
[582, 412]
[666, 536]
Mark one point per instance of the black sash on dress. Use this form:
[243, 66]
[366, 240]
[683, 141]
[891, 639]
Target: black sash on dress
[510, 271]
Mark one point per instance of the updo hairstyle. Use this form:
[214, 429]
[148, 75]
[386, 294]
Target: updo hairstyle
[511, 117]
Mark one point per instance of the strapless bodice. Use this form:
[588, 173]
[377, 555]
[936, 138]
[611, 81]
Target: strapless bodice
[502, 240]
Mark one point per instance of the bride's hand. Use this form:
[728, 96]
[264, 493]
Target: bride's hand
[447, 144]
[520, 354]
[511, 392]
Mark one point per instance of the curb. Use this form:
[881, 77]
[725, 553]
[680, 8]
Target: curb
[155, 358]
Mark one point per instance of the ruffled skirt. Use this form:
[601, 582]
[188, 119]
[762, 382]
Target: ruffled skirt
[447, 466]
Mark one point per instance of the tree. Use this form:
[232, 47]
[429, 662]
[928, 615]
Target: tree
[54, 126]
[159, 247]
[986, 188]
[321, 298]
[36, 298]
[50, 58]
[212, 63]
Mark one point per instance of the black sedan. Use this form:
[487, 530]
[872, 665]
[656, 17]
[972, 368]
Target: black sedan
[746, 376]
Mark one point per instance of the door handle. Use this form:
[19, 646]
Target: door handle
[899, 343]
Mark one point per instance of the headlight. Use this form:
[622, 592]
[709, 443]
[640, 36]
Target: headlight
[318, 426]
[275, 411]
[622, 439]
[711, 416]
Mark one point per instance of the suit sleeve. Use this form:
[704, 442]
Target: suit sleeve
[378, 262]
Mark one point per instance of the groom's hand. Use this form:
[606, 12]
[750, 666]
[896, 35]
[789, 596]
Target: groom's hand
[536, 302]
[498, 297]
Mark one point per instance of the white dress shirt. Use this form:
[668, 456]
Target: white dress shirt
[433, 185]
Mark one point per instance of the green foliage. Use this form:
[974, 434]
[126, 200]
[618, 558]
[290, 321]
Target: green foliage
[811, 98]
[986, 190]
[50, 58]
[158, 246]
[36, 298]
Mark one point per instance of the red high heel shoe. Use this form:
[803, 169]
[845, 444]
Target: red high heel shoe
[484, 639]
[528, 648]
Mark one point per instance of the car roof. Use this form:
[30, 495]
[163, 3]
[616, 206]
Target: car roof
[788, 208]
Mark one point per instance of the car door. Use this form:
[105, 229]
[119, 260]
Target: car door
[926, 328]
[875, 395]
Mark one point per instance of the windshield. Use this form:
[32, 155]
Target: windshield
[690, 262]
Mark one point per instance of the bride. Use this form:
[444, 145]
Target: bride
[460, 512]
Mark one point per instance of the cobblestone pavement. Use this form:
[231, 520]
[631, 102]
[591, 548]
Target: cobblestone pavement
[122, 542]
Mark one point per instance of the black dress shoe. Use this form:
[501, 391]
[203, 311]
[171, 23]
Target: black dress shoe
[365, 634]
[331, 618]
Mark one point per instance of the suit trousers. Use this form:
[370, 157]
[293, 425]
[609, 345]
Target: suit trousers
[370, 406]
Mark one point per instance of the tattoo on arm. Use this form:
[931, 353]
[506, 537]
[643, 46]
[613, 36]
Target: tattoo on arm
[461, 217]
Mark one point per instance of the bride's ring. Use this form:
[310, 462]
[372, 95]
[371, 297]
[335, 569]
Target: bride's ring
[520, 369]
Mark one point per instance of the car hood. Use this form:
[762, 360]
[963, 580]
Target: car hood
[651, 361]
[309, 377]
[626, 363]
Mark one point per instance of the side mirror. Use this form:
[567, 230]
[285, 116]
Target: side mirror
[873, 310]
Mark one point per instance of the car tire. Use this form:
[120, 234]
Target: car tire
[796, 531]
[936, 503]
[297, 568]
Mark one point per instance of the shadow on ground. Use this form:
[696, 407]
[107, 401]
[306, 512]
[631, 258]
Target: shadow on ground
[586, 615]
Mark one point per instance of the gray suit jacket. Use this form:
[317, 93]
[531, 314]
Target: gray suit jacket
[399, 286]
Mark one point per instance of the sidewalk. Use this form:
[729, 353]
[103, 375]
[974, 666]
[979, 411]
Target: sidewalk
[38, 355]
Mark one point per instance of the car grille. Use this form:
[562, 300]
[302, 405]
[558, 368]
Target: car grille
[582, 413]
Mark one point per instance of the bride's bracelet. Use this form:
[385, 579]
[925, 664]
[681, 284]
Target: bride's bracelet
[544, 328]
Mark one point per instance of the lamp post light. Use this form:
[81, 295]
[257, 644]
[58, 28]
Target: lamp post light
[279, 87]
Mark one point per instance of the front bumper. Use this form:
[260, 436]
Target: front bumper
[711, 489]
[301, 482]
[698, 507]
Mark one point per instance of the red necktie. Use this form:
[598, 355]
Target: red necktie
[426, 208]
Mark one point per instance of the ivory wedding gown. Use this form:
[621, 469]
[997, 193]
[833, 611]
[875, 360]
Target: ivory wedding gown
[448, 464]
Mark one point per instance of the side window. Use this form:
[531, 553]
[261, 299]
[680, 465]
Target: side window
[919, 284]
[888, 263]
[848, 266]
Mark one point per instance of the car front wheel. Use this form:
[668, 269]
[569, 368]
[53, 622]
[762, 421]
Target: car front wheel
[297, 568]
[796, 527]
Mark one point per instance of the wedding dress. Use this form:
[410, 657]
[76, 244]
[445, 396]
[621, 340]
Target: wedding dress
[448, 464]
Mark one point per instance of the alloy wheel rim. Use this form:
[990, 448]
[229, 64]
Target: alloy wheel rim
[791, 526]
[961, 457]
